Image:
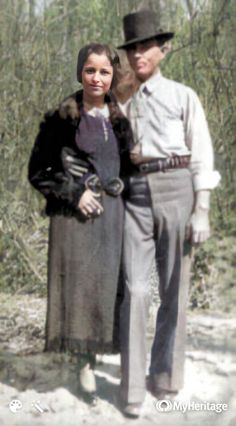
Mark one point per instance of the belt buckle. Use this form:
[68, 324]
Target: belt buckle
[115, 187]
[93, 183]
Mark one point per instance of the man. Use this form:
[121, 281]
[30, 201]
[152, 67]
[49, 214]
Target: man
[166, 210]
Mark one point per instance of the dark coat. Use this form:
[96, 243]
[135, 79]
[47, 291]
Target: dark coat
[46, 171]
[84, 255]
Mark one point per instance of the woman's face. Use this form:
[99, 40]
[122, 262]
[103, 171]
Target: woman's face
[97, 76]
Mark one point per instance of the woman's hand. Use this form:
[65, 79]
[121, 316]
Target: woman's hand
[89, 204]
[72, 164]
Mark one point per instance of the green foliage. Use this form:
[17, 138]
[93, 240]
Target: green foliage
[23, 247]
[214, 276]
[203, 58]
[38, 68]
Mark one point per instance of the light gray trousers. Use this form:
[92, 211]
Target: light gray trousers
[157, 211]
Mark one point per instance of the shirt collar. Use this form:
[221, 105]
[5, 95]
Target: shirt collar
[150, 85]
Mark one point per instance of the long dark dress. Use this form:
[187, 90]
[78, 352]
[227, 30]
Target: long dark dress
[84, 257]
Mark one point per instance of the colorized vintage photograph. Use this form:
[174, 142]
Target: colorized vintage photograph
[117, 212]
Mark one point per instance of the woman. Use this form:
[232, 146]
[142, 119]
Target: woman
[75, 164]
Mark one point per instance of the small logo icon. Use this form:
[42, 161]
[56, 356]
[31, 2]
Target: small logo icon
[15, 405]
[36, 404]
[163, 405]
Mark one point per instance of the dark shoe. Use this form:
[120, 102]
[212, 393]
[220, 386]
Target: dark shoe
[132, 410]
[90, 398]
[159, 393]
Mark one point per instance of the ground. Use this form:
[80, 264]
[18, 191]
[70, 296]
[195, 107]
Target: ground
[46, 384]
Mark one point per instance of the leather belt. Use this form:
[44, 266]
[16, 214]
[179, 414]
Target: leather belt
[162, 164]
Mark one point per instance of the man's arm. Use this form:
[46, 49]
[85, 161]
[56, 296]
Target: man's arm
[205, 178]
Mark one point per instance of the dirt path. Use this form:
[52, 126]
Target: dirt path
[48, 383]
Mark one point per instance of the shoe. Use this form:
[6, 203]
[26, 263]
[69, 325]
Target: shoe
[132, 410]
[87, 379]
[90, 398]
[87, 385]
[159, 393]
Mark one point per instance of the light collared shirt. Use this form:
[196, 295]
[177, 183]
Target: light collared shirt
[167, 119]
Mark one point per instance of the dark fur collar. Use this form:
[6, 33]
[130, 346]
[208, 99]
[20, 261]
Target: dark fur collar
[70, 106]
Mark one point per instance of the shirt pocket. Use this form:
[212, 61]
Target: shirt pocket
[171, 124]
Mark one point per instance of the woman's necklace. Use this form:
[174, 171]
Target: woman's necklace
[105, 130]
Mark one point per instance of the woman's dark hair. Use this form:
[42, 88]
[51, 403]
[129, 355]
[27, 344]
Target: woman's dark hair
[99, 49]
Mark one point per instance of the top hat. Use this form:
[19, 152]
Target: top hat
[141, 26]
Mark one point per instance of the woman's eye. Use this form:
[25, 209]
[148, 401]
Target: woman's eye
[89, 71]
[93, 71]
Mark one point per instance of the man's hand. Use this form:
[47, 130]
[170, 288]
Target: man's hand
[198, 228]
[89, 205]
[136, 154]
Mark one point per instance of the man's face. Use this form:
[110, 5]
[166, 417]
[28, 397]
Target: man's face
[145, 58]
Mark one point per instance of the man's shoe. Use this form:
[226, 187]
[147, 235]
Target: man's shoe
[159, 393]
[132, 410]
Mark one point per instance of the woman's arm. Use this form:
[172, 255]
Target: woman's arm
[46, 170]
